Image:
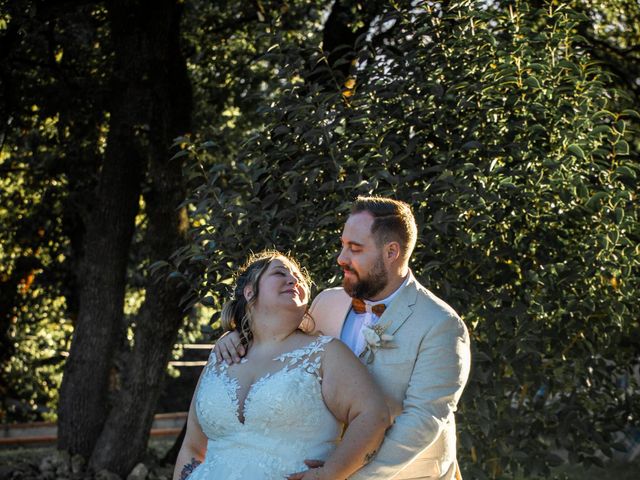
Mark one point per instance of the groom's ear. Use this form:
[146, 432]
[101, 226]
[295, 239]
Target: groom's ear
[392, 251]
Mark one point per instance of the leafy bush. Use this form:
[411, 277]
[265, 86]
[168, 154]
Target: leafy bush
[503, 136]
[35, 326]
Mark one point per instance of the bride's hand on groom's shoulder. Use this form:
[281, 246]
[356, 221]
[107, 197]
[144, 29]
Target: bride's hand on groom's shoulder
[229, 348]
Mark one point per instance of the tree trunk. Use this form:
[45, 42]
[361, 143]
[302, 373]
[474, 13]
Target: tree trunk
[84, 392]
[339, 38]
[130, 419]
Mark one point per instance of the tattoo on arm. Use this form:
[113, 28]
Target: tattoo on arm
[369, 456]
[189, 468]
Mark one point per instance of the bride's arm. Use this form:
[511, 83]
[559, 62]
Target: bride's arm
[193, 447]
[351, 395]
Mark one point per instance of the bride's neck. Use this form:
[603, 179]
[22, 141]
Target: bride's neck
[272, 331]
[269, 338]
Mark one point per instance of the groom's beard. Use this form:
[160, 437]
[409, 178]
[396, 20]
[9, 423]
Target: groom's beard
[369, 287]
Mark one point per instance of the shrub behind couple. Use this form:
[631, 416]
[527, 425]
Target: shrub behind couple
[287, 400]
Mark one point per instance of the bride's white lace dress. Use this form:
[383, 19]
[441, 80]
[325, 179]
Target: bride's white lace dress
[285, 419]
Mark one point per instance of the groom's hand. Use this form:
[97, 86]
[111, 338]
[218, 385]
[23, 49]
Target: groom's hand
[308, 463]
[229, 348]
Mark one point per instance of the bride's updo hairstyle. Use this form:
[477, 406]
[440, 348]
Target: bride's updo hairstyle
[236, 313]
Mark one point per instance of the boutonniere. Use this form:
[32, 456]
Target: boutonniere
[374, 338]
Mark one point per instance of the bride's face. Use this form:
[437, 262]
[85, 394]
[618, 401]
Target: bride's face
[282, 286]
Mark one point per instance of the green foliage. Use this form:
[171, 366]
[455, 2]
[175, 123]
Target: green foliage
[225, 41]
[51, 139]
[31, 251]
[56, 69]
[492, 119]
[501, 132]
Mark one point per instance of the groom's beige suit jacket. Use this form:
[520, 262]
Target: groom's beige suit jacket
[422, 378]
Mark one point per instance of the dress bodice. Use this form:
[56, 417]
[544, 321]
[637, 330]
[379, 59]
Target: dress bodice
[285, 418]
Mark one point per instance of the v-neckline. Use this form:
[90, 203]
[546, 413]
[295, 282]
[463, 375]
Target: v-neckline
[241, 407]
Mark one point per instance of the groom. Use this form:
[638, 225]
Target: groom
[415, 345]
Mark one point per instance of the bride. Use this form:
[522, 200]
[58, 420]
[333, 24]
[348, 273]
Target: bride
[290, 396]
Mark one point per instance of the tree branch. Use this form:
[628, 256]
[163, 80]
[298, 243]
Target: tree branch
[616, 60]
[623, 52]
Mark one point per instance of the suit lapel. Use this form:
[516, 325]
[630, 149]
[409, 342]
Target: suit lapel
[344, 319]
[401, 307]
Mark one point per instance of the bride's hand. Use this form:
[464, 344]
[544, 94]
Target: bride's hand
[229, 348]
[312, 474]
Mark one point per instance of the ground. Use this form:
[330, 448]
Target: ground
[28, 463]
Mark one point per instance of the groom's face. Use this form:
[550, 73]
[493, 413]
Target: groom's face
[363, 268]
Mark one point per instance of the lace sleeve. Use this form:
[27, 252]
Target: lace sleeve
[212, 363]
[307, 358]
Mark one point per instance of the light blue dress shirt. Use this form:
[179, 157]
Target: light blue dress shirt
[350, 334]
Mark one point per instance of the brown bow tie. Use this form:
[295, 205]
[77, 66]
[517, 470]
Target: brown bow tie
[360, 307]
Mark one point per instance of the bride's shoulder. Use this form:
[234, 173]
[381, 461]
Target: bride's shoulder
[305, 341]
[338, 360]
[308, 348]
[324, 345]
[334, 346]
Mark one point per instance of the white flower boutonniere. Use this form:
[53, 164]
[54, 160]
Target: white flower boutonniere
[374, 338]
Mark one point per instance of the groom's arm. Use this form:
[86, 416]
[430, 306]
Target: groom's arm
[435, 386]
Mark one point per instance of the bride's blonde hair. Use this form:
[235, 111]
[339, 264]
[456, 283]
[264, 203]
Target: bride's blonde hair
[236, 312]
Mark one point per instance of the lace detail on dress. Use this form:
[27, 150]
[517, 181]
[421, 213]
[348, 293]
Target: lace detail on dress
[285, 419]
[307, 358]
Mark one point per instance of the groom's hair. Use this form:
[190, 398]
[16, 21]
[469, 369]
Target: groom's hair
[393, 220]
